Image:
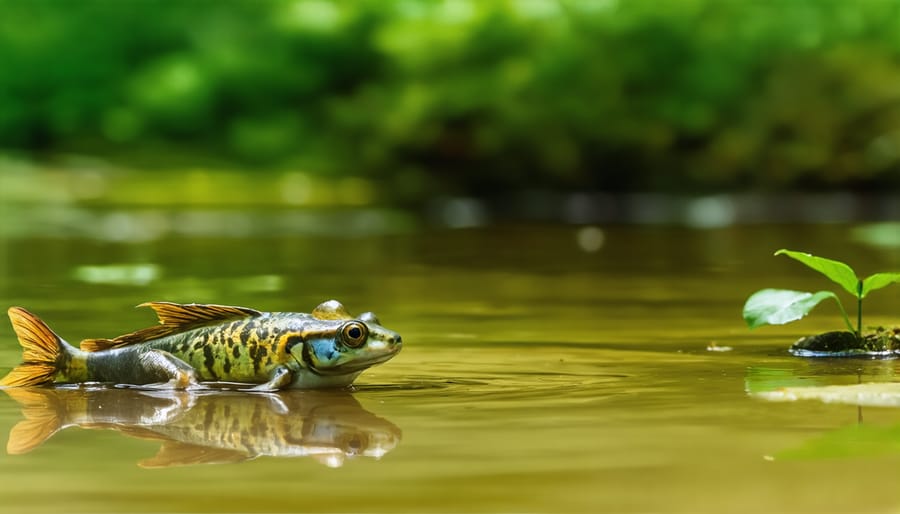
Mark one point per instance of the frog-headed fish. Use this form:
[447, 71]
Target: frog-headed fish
[209, 427]
[211, 343]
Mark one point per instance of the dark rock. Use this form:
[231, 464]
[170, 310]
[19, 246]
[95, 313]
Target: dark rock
[881, 342]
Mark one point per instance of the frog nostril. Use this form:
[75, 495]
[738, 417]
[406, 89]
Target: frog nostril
[397, 339]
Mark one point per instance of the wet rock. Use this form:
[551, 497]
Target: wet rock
[881, 342]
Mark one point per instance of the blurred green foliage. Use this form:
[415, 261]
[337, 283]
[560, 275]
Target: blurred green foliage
[468, 96]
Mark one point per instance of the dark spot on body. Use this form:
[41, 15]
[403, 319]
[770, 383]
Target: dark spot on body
[226, 366]
[306, 355]
[253, 351]
[209, 360]
[236, 351]
[291, 342]
[246, 332]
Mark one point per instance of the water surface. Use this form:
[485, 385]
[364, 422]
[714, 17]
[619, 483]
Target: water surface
[542, 372]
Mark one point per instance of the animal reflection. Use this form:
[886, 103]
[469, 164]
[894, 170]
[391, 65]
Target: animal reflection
[210, 427]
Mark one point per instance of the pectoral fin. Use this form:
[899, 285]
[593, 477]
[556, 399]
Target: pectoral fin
[175, 453]
[281, 378]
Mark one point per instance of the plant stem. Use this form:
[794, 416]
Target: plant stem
[859, 286]
[850, 327]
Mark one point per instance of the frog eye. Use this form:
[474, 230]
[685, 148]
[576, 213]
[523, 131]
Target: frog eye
[354, 334]
[353, 444]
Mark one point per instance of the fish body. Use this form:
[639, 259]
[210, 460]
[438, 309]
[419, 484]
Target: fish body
[210, 343]
[209, 427]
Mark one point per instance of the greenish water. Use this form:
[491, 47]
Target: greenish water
[545, 369]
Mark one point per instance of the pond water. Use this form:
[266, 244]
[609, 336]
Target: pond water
[546, 369]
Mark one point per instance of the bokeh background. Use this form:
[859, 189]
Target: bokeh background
[405, 103]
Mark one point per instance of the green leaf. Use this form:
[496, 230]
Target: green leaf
[837, 271]
[780, 306]
[879, 280]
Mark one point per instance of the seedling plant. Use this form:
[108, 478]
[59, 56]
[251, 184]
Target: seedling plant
[780, 306]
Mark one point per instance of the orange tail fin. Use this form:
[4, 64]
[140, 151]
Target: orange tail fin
[44, 415]
[42, 353]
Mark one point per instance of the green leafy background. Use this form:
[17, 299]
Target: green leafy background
[465, 96]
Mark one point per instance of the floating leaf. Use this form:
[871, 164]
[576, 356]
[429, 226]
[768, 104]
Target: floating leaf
[780, 306]
[837, 271]
[879, 280]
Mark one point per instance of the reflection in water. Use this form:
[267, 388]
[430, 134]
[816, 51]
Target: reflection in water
[852, 440]
[210, 427]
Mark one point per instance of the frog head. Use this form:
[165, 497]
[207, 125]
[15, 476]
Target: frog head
[342, 345]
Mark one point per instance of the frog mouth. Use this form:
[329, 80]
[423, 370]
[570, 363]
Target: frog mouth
[354, 366]
[360, 364]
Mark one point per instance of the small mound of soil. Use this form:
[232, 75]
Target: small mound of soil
[881, 342]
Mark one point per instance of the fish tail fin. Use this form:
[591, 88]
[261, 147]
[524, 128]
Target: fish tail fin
[43, 351]
[43, 417]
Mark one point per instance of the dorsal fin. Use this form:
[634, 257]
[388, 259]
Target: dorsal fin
[173, 318]
[193, 313]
